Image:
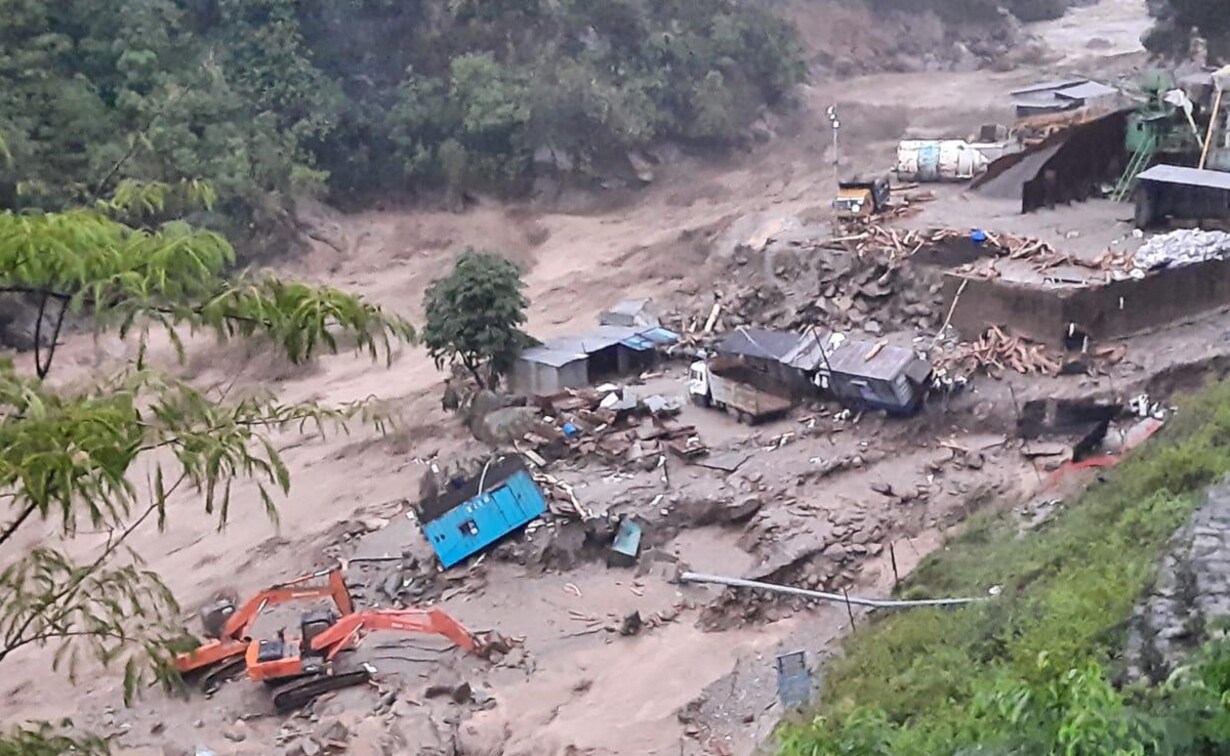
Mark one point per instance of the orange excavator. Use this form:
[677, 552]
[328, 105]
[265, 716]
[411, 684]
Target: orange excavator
[222, 656]
[303, 668]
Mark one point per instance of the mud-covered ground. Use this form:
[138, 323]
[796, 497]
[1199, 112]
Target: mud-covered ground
[818, 500]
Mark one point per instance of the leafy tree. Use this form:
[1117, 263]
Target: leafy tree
[269, 98]
[474, 316]
[72, 457]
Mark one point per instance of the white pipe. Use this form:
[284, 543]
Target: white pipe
[482, 479]
[693, 577]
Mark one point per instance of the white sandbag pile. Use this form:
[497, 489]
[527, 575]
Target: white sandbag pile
[1183, 248]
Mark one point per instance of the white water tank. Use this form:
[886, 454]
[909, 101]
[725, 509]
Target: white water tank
[938, 160]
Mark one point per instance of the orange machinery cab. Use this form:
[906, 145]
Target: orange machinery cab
[285, 658]
[233, 638]
[322, 635]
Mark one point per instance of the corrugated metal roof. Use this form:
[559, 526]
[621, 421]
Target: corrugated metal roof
[759, 343]
[1175, 174]
[808, 354]
[1050, 104]
[562, 350]
[650, 338]
[851, 359]
[1086, 91]
[545, 355]
[661, 335]
[595, 340]
[1048, 86]
[638, 343]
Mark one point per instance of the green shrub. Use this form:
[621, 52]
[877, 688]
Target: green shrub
[1025, 672]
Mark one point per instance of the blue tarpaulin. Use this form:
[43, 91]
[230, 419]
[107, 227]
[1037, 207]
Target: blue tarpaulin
[649, 338]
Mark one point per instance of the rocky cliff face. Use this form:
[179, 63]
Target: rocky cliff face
[1190, 595]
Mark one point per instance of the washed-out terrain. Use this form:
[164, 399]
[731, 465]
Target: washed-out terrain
[823, 499]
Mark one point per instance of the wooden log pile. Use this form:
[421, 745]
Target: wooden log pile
[890, 244]
[996, 351]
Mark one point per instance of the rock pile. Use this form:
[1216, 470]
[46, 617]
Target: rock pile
[857, 282]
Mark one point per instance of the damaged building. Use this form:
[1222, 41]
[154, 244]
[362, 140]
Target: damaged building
[877, 376]
[470, 515]
[774, 353]
[857, 373]
[1071, 165]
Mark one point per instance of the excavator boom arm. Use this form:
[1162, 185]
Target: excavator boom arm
[430, 621]
[239, 624]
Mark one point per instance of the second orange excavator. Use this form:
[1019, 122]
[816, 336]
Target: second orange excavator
[301, 668]
[230, 628]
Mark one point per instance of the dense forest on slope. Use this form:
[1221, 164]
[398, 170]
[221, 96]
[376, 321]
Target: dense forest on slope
[266, 98]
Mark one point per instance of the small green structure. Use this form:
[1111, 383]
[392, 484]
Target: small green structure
[1157, 129]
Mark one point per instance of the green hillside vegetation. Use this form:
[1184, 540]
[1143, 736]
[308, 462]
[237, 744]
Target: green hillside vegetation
[1034, 671]
[264, 98]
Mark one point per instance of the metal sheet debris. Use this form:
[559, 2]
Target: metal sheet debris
[626, 546]
[793, 680]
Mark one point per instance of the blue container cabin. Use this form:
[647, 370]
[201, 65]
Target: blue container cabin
[464, 520]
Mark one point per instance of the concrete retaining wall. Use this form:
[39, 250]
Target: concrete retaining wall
[1105, 311]
[1030, 311]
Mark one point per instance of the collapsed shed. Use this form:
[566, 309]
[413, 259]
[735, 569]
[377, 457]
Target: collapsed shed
[877, 375]
[630, 313]
[1069, 166]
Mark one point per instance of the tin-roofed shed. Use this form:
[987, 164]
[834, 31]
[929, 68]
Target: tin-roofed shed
[773, 353]
[544, 370]
[1059, 96]
[884, 377]
[758, 343]
[579, 360]
[1172, 191]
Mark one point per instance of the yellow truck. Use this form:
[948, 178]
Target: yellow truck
[861, 199]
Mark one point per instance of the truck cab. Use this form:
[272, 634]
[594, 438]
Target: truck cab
[698, 383]
[861, 199]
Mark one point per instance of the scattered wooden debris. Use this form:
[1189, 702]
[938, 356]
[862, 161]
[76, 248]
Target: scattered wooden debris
[561, 497]
[619, 427]
[995, 352]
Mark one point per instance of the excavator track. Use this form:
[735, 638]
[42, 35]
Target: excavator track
[221, 673]
[299, 693]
